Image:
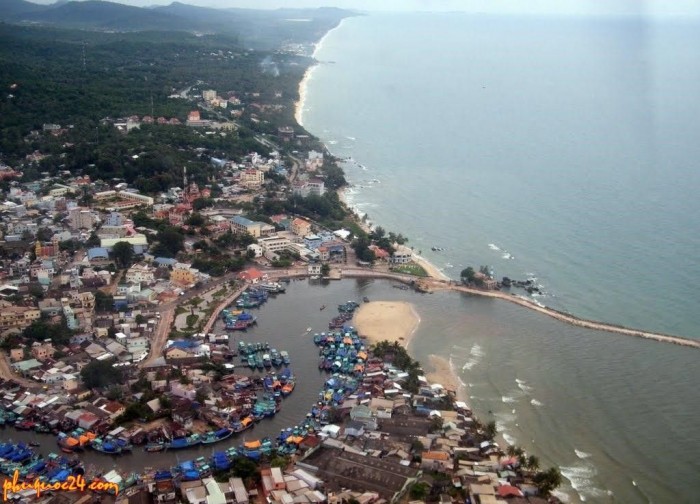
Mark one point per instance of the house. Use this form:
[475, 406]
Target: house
[354, 428]
[314, 269]
[401, 255]
[26, 367]
[301, 227]
[252, 178]
[252, 275]
[140, 273]
[113, 409]
[17, 354]
[43, 351]
[436, 461]
[182, 274]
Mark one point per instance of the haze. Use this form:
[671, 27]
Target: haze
[554, 7]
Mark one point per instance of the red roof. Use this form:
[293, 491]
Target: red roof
[509, 491]
[250, 274]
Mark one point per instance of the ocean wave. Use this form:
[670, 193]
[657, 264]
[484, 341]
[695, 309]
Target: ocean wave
[535, 402]
[581, 478]
[493, 246]
[582, 454]
[511, 440]
[332, 142]
[475, 355]
[351, 138]
[508, 399]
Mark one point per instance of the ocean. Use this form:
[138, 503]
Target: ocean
[563, 150]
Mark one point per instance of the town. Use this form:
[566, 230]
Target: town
[125, 273]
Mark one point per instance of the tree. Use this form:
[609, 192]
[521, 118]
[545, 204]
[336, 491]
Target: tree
[533, 463]
[325, 269]
[490, 430]
[123, 254]
[103, 301]
[98, 374]
[419, 491]
[467, 275]
[140, 319]
[547, 481]
[196, 219]
[485, 270]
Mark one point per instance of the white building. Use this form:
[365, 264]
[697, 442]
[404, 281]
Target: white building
[140, 273]
[402, 255]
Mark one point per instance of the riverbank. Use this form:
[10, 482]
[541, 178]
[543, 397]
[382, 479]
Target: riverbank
[395, 321]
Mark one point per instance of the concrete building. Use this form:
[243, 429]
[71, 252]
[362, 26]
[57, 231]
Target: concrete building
[301, 227]
[401, 255]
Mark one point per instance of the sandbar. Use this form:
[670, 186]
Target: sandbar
[386, 320]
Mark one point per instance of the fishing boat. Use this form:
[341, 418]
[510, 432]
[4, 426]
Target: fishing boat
[106, 446]
[323, 307]
[184, 442]
[155, 447]
[212, 437]
[272, 287]
[285, 357]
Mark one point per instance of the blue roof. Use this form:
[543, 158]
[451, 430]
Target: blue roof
[185, 344]
[97, 252]
[242, 220]
[165, 261]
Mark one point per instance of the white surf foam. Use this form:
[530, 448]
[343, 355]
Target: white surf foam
[581, 477]
[475, 355]
[351, 138]
[507, 399]
[581, 454]
[535, 402]
[511, 440]
[493, 246]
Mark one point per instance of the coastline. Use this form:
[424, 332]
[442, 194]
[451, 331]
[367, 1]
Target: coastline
[299, 104]
[441, 372]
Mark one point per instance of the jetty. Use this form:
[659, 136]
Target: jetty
[432, 285]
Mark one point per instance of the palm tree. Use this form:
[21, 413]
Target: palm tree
[533, 463]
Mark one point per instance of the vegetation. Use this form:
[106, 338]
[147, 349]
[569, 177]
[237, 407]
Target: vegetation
[39, 330]
[419, 491]
[123, 254]
[398, 356]
[99, 374]
[411, 269]
[548, 481]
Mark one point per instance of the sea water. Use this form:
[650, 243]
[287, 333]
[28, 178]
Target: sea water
[558, 149]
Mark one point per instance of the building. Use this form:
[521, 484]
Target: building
[301, 227]
[252, 178]
[285, 133]
[80, 218]
[138, 241]
[315, 186]
[42, 351]
[182, 274]
[207, 95]
[315, 269]
[401, 255]
[140, 273]
[240, 224]
[273, 244]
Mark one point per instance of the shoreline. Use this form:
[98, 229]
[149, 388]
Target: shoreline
[299, 104]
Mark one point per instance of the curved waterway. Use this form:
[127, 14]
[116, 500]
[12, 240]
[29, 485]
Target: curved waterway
[599, 409]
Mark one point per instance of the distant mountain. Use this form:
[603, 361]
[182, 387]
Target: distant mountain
[103, 16]
[13, 8]
[257, 28]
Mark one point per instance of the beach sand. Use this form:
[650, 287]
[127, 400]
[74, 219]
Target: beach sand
[386, 320]
[441, 372]
[430, 268]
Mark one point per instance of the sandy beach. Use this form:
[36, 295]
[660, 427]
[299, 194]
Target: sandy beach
[430, 268]
[440, 371]
[386, 320]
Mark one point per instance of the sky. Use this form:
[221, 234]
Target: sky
[557, 7]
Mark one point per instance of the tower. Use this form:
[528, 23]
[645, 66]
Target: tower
[184, 178]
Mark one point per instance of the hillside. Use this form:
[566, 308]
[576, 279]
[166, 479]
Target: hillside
[258, 29]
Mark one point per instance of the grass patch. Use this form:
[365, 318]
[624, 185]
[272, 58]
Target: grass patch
[410, 269]
[180, 310]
